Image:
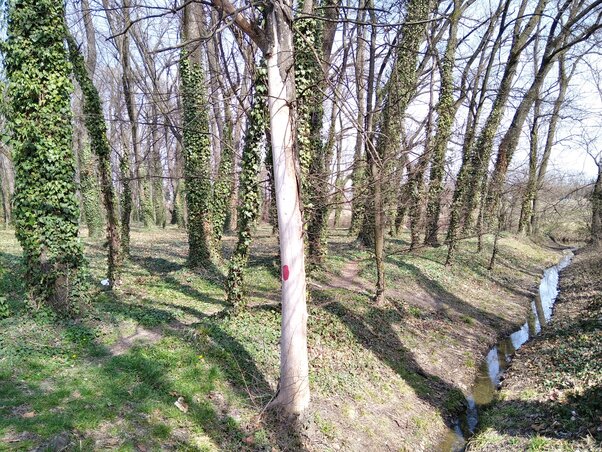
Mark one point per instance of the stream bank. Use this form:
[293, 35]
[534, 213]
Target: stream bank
[551, 397]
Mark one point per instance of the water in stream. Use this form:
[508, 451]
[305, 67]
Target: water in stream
[492, 368]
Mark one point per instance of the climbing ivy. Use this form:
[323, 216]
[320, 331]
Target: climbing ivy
[309, 83]
[147, 209]
[126, 204]
[89, 188]
[99, 145]
[4, 308]
[178, 217]
[197, 159]
[307, 75]
[46, 208]
[249, 190]
[220, 200]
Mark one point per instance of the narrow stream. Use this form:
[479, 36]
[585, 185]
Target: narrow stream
[498, 359]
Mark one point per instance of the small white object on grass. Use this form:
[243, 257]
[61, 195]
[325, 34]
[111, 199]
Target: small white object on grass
[104, 282]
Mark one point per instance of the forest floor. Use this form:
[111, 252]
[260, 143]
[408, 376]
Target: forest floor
[551, 398]
[382, 377]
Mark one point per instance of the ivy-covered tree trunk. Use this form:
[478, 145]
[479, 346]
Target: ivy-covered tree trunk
[509, 143]
[90, 191]
[196, 146]
[97, 131]
[473, 172]
[313, 48]
[399, 91]
[477, 182]
[446, 110]
[417, 192]
[310, 113]
[89, 187]
[597, 208]
[126, 203]
[46, 208]
[4, 195]
[526, 211]
[248, 191]
[157, 170]
[220, 198]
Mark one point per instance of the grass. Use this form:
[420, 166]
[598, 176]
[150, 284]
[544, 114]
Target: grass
[380, 375]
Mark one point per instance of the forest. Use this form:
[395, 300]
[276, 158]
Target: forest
[317, 225]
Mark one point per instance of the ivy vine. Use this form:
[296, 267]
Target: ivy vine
[197, 160]
[99, 145]
[46, 208]
[249, 190]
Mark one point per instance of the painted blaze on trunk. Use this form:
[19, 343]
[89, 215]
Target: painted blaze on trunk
[293, 391]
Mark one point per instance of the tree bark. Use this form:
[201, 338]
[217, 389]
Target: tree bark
[196, 146]
[293, 390]
[446, 109]
[97, 130]
[597, 208]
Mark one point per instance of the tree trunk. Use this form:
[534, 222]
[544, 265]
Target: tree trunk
[526, 211]
[4, 194]
[97, 130]
[510, 142]
[484, 145]
[399, 91]
[597, 208]
[314, 48]
[46, 208]
[249, 191]
[293, 390]
[196, 146]
[446, 110]
[473, 172]
[126, 202]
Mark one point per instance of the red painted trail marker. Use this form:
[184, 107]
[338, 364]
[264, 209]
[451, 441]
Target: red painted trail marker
[285, 272]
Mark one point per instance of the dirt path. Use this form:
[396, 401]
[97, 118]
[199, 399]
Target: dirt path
[350, 279]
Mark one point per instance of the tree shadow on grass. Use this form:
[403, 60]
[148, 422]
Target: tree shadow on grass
[157, 265]
[445, 298]
[126, 390]
[240, 370]
[163, 268]
[130, 392]
[374, 330]
[576, 418]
